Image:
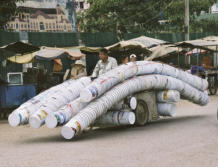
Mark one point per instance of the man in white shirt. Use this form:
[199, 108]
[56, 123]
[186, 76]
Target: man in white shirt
[105, 64]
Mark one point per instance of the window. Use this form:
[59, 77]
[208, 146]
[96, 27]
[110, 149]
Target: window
[81, 5]
[17, 26]
[46, 25]
[21, 25]
[64, 27]
[41, 26]
[50, 25]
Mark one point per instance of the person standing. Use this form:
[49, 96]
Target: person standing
[105, 63]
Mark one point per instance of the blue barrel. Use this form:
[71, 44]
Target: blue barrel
[14, 95]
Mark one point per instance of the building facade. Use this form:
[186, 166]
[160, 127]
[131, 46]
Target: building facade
[214, 8]
[40, 20]
[79, 4]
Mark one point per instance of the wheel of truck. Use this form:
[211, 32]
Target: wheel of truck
[212, 85]
[141, 113]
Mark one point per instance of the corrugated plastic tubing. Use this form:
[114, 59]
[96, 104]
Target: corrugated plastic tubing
[166, 109]
[64, 114]
[21, 114]
[168, 96]
[117, 118]
[100, 106]
[58, 100]
[106, 81]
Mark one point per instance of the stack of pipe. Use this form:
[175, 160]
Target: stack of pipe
[166, 102]
[78, 104]
[50, 100]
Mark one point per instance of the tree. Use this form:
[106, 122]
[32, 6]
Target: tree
[138, 15]
[175, 13]
[209, 26]
[8, 9]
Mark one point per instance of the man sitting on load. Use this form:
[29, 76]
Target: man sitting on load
[105, 63]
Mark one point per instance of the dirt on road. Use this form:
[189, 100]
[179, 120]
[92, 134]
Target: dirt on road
[189, 139]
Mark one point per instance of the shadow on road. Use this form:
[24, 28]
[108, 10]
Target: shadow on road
[116, 131]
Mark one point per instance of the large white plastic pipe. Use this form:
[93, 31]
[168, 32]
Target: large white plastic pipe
[167, 109]
[117, 118]
[100, 106]
[21, 115]
[105, 82]
[58, 100]
[128, 102]
[64, 114]
[168, 96]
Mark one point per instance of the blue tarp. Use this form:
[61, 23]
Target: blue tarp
[15, 95]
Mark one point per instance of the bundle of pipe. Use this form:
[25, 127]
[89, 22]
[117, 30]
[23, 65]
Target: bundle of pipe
[156, 82]
[64, 114]
[21, 114]
[168, 96]
[128, 102]
[58, 100]
[105, 82]
[117, 118]
[166, 102]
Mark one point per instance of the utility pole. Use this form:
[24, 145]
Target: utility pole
[186, 20]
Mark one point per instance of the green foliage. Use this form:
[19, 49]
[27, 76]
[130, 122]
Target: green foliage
[122, 16]
[7, 10]
[205, 26]
[175, 13]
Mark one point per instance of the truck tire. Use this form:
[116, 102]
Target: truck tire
[142, 113]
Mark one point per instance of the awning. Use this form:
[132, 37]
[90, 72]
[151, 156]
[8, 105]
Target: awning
[208, 43]
[142, 43]
[24, 59]
[89, 49]
[20, 48]
[196, 52]
[162, 51]
[135, 45]
[48, 53]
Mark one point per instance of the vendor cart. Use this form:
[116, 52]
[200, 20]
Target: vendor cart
[206, 70]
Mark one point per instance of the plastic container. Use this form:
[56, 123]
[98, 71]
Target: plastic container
[168, 96]
[117, 118]
[167, 109]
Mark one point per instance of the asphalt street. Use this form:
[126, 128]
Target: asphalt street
[189, 139]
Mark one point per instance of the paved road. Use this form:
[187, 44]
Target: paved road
[189, 139]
